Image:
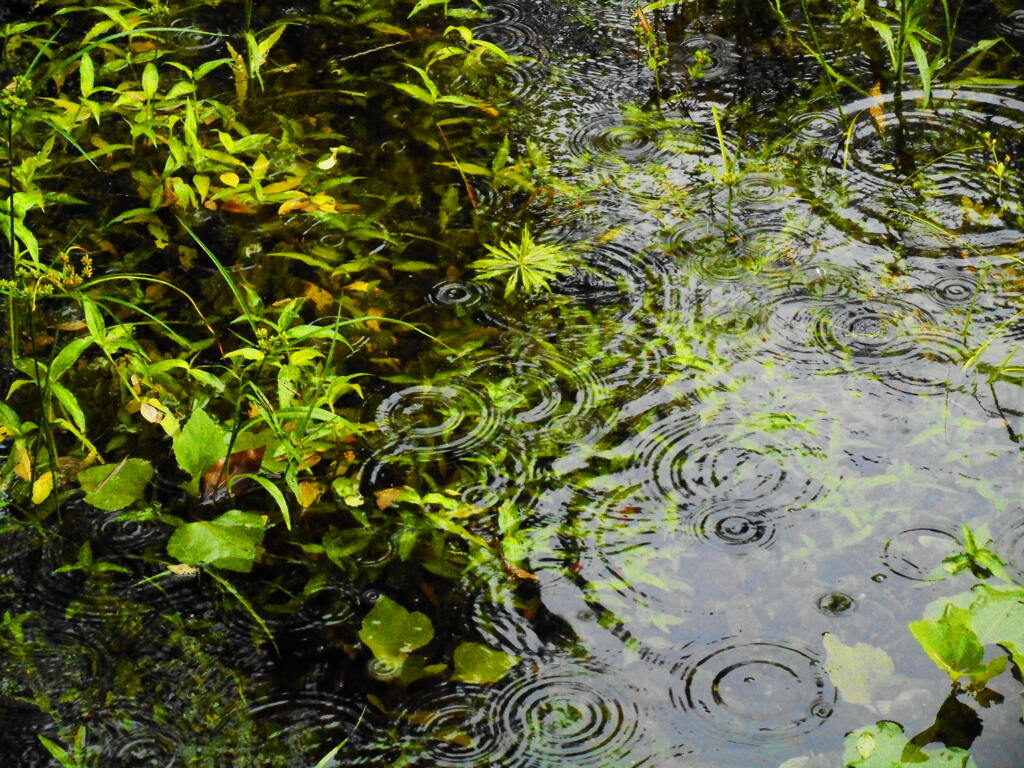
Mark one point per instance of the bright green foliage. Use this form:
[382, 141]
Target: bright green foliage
[229, 541]
[976, 557]
[476, 663]
[856, 671]
[884, 745]
[392, 632]
[950, 642]
[527, 264]
[116, 486]
[200, 444]
[992, 614]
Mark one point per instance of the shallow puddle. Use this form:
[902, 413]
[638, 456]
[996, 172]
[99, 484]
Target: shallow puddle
[782, 375]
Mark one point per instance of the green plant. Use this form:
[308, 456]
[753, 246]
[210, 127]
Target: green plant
[528, 264]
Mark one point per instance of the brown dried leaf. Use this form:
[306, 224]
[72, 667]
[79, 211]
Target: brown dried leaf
[387, 497]
[217, 479]
[151, 413]
[309, 493]
[321, 298]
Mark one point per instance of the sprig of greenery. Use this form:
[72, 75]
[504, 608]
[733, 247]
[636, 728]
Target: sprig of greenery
[527, 264]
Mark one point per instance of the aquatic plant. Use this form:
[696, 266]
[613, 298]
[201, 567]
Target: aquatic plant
[528, 264]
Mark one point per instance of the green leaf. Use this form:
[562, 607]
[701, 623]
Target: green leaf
[86, 76]
[950, 642]
[67, 399]
[94, 320]
[997, 616]
[228, 541]
[884, 745]
[476, 663]
[67, 357]
[416, 92]
[150, 80]
[200, 444]
[856, 671]
[413, 266]
[392, 632]
[116, 486]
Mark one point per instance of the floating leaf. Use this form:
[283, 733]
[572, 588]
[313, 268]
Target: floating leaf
[950, 642]
[392, 632]
[884, 745]
[116, 486]
[228, 541]
[476, 663]
[856, 671]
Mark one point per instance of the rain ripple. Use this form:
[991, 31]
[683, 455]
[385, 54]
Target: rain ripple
[686, 459]
[917, 553]
[754, 693]
[567, 714]
[448, 419]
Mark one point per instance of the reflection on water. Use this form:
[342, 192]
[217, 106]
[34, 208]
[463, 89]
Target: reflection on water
[784, 331]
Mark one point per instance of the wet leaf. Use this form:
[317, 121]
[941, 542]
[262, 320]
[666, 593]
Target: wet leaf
[22, 461]
[200, 444]
[116, 486]
[950, 642]
[42, 487]
[150, 412]
[321, 299]
[884, 745]
[387, 497]
[150, 80]
[309, 494]
[856, 671]
[392, 632]
[219, 479]
[228, 541]
[479, 664]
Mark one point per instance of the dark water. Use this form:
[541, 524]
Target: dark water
[755, 413]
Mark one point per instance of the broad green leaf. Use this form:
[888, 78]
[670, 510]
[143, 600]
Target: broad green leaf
[415, 667]
[392, 632]
[116, 486]
[228, 541]
[950, 642]
[858, 670]
[884, 745]
[200, 444]
[997, 616]
[476, 663]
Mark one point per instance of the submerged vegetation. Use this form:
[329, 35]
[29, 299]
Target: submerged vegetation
[380, 374]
